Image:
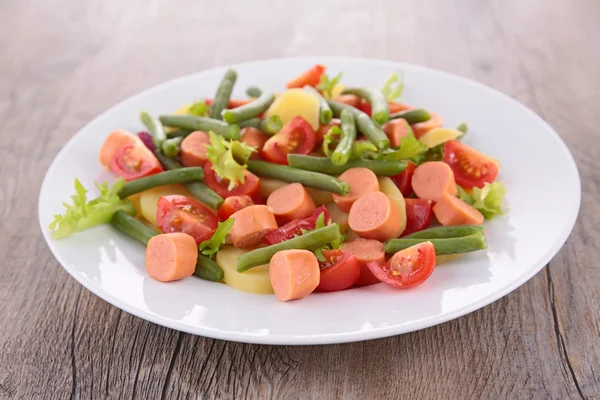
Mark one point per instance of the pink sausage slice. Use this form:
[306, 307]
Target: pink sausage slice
[361, 181]
[451, 210]
[294, 274]
[365, 251]
[171, 256]
[193, 149]
[432, 180]
[291, 202]
[375, 216]
[114, 141]
[251, 225]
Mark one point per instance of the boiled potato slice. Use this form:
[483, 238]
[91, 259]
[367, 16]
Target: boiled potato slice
[149, 200]
[437, 136]
[268, 186]
[320, 197]
[296, 102]
[255, 280]
[338, 216]
[387, 187]
[183, 110]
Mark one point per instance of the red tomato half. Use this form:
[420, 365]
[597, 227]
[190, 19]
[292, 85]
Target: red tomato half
[249, 187]
[178, 213]
[403, 179]
[311, 77]
[471, 168]
[419, 213]
[133, 161]
[406, 268]
[296, 226]
[233, 204]
[296, 137]
[339, 271]
[365, 107]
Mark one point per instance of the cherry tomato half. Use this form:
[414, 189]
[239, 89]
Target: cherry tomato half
[403, 179]
[406, 268]
[233, 204]
[296, 226]
[471, 168]
[249, 187]
[339, 271]
[178, 213]
[297, 137]
[311, 77]
[419, 213]
[133, 161]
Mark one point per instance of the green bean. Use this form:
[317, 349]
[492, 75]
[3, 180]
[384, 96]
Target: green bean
[154, 127]
[444, 232]
[270, 126]
[308, 241]
[413, 116]
[455, 245]
[193, 123]
[379, 105]
[171, 147]
[135, 229]
[198, 189]
[180, 175]
[342, 151]
[464, 128]
[254, 91]
[365, 125]
[223, 94]
[307, 178]
[249, 110]
[325, 113]
[178, 133]
[326, 166]
[132, 227]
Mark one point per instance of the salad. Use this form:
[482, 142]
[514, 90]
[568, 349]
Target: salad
[323, 186]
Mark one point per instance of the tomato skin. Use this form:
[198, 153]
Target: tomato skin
[178, 213]
[339, 272]
[233, 204]
[406, 268]
[296, 226]
[419, 213]
[296, 137]
[249, 187]
[365, 107]
[133, 161]
[311, 77]
[461, 158]
[403, 179]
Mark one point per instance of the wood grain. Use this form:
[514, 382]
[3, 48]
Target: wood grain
[65, 61]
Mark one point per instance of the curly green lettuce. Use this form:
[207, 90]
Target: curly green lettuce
[83, 214]
[410, 149]
[199, 109]
[210, 246]
[334, 244]
[327, 84]
[488, 200]
[229, 158]
[394, 86]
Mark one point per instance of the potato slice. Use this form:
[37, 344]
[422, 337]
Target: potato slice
[389, 188]
[338, 216]
[255, 280]
[296, 102]
[437, 136]
[320, 197]
[268, 186]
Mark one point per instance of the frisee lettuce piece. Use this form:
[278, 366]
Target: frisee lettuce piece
[84, 214]
[410, 149]
[335, 244]
[199, 109]
[327, 84]
[210, 246]
[229, 158]
[394, 86]
[331, 137]
[488, 199]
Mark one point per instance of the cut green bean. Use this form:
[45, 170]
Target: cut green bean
[413, 116]
[171, 147]
[208, 269]
[249, 110]
[223, 94]
[178, 133]
[343, 150]
[326, 166]
[464, 128]
[198, 189]
[193, 123]
[444, 232]
[270, 126]
[254, 91]
[365, 125]
[325, 113]
[455, 245]
[308, 241]
[307, 178]
[154, 127]
[180, 175]
[379, 105]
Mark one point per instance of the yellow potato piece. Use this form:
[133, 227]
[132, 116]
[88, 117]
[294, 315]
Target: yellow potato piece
[437, 136]
[183, 110]
[255, 280]
[268, 186]
[320, 197]
[389, 188]
[296, 102]
[338, 216]
[149, 200]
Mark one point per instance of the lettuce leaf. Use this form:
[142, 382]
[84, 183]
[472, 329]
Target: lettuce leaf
[210, 246]
[327, 84]
[488, 200]
[331, 137]
[84, 214]
[394, 86]
[229, 158]
[199, 109]
[410, 149]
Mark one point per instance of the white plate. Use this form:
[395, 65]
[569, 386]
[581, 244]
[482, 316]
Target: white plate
[544, 196]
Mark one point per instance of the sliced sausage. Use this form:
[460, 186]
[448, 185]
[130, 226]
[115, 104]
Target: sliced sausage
[254, 137]
[361, 181]
[395, 130]
[348, 99]
[365, 251]
[431, 180]
[294, 274]
[171, 256]
[421, 128]
[398, 107]
[375, 216]
[450, 210]
[291, 202]
[251, 225]
[193, 149]
[114, 141]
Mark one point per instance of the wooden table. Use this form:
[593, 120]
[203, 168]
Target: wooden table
[64, 62]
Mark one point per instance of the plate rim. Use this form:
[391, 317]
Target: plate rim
[326, 338]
